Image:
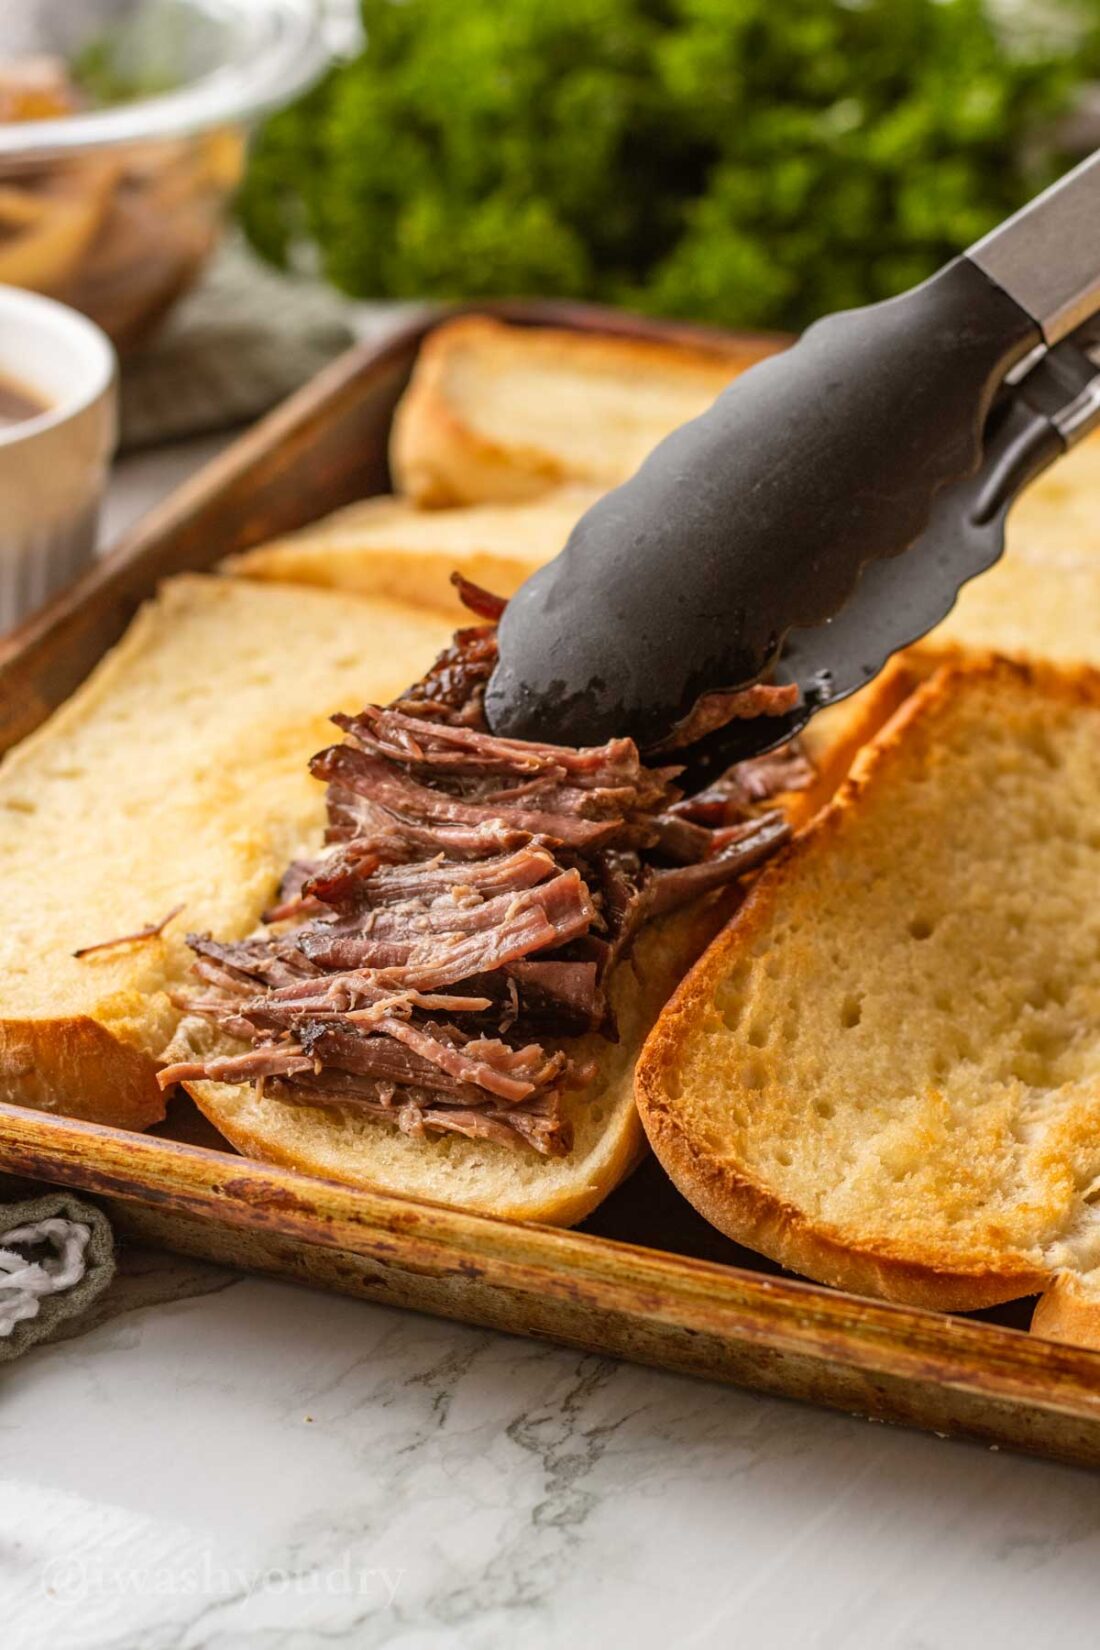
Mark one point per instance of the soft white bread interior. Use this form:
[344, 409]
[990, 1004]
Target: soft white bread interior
[175, 776]
[387, 547]
[497, 412]
[885, 1073]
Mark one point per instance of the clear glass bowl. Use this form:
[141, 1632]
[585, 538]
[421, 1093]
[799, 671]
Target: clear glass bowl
[116, 207]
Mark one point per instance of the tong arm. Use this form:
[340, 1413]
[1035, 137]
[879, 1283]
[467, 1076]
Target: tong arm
[1033, 422]
[1047, 255]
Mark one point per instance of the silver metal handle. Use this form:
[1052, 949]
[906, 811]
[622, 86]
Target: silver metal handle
[1047, 256]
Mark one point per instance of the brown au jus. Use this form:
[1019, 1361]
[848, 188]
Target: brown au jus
[473, 897]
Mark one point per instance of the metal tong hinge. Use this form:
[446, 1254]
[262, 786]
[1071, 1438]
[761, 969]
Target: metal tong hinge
[1049, 402]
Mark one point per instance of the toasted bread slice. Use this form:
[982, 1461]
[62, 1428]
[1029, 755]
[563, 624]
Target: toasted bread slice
[885, 1074]
[497, 412]
[388, 547]
[176, 776]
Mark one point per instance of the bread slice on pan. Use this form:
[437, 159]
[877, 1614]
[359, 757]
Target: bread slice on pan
[885, 1074]
[497, 412]
[174, 785]
[387, 547]
[175, 777]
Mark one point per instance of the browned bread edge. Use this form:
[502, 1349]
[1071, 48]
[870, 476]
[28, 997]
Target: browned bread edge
[731, 1199]
[75, 1066]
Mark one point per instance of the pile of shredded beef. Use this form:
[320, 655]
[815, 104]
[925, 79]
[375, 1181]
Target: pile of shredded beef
[474, 895]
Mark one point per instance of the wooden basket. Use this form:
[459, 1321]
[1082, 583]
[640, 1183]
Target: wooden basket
[644, 1278]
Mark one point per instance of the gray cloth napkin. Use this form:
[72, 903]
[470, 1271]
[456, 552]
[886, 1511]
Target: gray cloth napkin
[99, 1258]
[231, 349]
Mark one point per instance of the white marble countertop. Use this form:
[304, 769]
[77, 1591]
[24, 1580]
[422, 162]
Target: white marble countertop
[224, 1462]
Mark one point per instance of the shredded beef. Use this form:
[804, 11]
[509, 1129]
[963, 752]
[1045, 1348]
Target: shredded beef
[716, 710]
[151, 931]
[473, 896]
[454, 688]
[728, 798]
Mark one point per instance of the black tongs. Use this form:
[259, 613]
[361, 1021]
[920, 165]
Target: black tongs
[826, 511]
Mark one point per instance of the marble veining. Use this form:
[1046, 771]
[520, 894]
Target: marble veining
[262, 1465]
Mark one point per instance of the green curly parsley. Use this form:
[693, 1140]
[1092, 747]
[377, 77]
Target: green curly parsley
[751, 162]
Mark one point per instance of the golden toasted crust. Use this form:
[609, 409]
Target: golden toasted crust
[838, 733]
[735, 1195]
[750, 1213]
[76, 1066]
[497, 412]
[1070, 1311]
[753, 1216]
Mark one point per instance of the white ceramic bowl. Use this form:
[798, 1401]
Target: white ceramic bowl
[53, 467]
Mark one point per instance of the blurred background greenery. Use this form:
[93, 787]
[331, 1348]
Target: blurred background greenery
[746, 162]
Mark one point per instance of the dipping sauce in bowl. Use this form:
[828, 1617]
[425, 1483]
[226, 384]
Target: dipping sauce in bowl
[57, 435]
